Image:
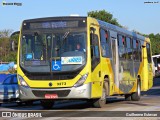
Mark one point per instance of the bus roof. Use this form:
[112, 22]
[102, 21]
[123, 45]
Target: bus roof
[101, 23]
[121, 30]
[55, 18]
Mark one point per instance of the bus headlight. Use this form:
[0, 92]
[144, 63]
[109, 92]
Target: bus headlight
[81, 80]
[22, 81]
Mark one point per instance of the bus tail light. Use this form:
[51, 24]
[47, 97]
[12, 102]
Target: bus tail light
[22, 81]
[81, 80]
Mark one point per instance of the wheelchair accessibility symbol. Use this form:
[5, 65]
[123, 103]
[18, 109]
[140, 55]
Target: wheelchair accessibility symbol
[56, 65]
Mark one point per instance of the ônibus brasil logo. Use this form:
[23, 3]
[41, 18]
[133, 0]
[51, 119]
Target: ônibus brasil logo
[4, 3]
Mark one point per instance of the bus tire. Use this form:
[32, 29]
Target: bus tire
[137, 95]
[47, 104]
[106, 86]
[127, 97]
[99, 103]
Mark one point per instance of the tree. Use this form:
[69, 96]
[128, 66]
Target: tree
[4, 48]
[155, 43]
[15, 38]
[5, 33]
[104, 16]
[6, 55]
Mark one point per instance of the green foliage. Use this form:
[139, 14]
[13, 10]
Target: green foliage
[155, 43]
[15, 38]
[6, 55]
[5, 33]
[4, 48]
[104, 16]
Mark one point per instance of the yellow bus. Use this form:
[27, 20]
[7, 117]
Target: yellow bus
[81, 58]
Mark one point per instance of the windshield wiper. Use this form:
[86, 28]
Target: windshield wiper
[65, 35]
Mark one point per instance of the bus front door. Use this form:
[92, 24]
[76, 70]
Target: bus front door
[115, 59]
[96, 89]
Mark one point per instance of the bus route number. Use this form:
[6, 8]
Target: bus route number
[61, 83]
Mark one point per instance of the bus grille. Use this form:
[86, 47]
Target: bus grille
[49, 77]
[60, 93]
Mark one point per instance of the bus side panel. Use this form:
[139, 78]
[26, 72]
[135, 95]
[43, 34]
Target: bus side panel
[107, 71]
[150, 82]
[143, 74]
[150, 67]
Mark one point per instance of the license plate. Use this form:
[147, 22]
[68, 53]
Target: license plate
[51, 96]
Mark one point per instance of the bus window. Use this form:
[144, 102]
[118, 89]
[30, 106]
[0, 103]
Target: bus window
[134, 44]
[135, 50]
[39, 45]
[148, 52]
[104, 43]
[27, 45]
[121, 47]
[139, 50]
[128, 42]
[95, 56]
[129, 48]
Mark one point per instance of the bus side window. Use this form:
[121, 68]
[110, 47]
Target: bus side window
[140, 50]
[95, 56]
[135, 50]
[128, 48]
[121, 47]
[104, 43]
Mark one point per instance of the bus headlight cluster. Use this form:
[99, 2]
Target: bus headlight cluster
[22, 81]
[81, 80]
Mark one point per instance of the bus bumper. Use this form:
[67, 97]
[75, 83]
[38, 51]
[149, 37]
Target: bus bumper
[81, 92]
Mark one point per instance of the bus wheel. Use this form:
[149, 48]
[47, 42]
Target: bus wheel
[106, 86]
[99, 103]
[47, 104]
[137, 95]
[128, 97]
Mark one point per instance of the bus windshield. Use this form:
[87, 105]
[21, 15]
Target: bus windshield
[41, 50]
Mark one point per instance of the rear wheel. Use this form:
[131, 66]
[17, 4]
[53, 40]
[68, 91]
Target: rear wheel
[128, 97]
[47, 104]
[137, 95]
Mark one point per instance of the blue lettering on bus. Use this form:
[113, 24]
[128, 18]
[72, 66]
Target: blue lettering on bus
[74, 60]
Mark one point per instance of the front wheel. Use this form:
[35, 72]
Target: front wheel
[99, 103]
[137, 95]
[47, 104]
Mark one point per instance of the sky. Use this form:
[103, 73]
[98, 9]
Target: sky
[133, 14]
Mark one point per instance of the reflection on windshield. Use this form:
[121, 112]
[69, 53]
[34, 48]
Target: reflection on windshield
[41, 49]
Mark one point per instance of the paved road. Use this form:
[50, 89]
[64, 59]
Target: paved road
[150, 101]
